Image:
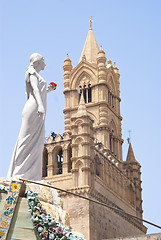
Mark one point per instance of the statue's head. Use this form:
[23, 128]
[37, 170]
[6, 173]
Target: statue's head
[37, 59]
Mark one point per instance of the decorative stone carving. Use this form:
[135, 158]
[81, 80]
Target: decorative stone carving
[67, 135]
[85, 81]
[49, 140]
[58, 138]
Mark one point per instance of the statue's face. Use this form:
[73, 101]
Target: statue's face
[42, 64]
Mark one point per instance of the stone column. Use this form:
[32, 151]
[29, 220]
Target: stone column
[65, 159]
[50, 167]
[67, 70]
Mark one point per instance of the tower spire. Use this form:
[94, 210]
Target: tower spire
[90, 48]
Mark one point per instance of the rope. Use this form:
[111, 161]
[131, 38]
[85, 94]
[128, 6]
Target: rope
[94, 201]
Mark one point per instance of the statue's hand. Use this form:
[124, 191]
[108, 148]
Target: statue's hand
[52, 86]
[41, 111]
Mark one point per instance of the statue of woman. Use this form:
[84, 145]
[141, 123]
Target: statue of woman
[27, 156]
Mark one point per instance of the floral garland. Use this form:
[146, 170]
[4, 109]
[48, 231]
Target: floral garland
[44, 224]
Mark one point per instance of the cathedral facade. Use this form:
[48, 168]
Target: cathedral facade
[87, 158]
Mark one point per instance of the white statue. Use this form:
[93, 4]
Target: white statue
[27, 156]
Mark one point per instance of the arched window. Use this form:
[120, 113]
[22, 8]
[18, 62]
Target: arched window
[80, 176]
[45, 163]
[113, 142]
[98, 167]
[111, 99]
[131, 194]
[87, 92]
[84, 93]
[113, 102]
[114, 149]
[78, 147]
[69, 159]
[60, 161]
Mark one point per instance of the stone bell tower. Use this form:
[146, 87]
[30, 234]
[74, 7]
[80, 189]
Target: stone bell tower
[87, 158]
[99, 84]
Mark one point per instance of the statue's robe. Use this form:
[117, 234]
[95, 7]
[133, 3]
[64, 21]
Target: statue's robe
[27, 156]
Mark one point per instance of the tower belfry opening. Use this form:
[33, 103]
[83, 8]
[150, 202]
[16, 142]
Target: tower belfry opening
[89, 156]
[60, 161]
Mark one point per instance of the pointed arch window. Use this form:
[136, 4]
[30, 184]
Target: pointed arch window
[69, 159]
[87, 92]
[98, 167]
[60, 161]
[113, 144]
[111, 99]
[113, 141]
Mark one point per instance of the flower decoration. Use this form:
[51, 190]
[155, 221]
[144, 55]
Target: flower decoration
[3, 223]
[7, 213]
[51, 229]
[45, 233]
[1, 234]
[37, 212]
[10, 200]
[43, 211]
[15, 186]
[45, 225]
[52, 86]
[36, 225]
[59, 230]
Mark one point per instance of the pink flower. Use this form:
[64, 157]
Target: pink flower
[51, 229]
[43, 211]
[45, 220]
[36, 225]
[59, 230]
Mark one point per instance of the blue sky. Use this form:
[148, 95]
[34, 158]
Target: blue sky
[130, 33]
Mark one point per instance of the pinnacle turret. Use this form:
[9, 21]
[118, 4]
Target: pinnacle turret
[67, 64]
[82, 107]
[130, 155]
